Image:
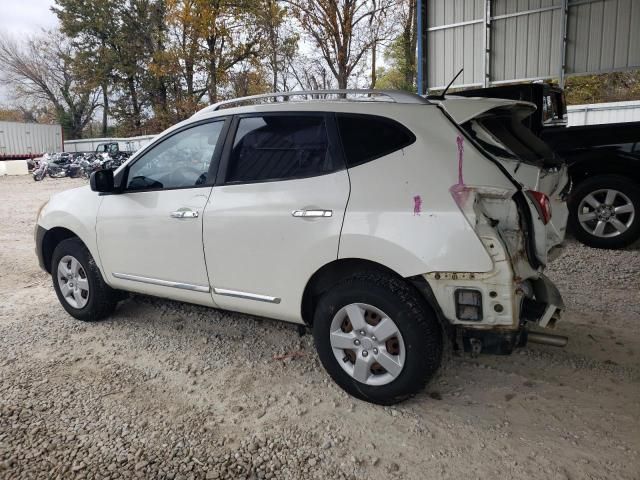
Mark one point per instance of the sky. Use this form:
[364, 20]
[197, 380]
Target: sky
[25, 17]
[20, 18]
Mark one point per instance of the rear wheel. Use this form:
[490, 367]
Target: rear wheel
[377, 338]
[604, 211]
[78, 282]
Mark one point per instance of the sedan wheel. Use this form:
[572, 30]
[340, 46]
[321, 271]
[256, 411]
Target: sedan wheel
[73, 283]
[78, 283]
[367, 344]
[377, 337]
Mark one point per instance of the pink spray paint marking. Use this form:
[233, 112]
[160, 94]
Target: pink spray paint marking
[417, 205]
[460, 142]
[459, 190]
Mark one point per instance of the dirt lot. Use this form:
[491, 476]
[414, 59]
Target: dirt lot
[165, 390]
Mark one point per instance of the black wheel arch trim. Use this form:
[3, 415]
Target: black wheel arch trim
[40, 234]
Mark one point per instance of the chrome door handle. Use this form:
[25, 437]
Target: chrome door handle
[184, 214]
[312, 213]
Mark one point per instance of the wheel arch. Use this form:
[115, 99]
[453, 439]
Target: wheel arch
[581, 170]
[51, 240]
[340, 269]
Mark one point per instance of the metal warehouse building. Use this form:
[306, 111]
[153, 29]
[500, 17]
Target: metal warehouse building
[504, 41]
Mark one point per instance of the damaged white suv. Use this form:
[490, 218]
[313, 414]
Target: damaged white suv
[385, 222]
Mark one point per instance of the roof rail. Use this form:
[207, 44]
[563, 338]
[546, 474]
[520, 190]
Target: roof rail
[397, 96]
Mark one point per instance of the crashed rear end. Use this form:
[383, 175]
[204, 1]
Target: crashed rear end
[521, 224]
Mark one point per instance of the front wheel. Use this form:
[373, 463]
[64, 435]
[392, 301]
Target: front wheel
[79, 284]
[377, 338]
[604, 211]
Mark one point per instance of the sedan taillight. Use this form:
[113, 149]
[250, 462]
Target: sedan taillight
[542, 203]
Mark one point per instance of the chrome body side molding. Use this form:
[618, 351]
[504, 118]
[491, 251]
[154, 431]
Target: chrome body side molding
[163, 283]
[248, 296]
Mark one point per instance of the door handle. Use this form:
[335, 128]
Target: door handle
[312, 213]
[184, 214]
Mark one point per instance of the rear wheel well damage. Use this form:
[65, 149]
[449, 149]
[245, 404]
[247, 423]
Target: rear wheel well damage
[338, 270]
[51, 240]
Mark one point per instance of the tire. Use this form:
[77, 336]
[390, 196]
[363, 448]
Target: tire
[420, 340]
[621, 210]
[60, 174]
[98, 300]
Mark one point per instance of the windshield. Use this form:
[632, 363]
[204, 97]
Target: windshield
[501, 132]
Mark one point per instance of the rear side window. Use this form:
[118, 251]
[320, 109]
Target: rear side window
[502, 133]
[279, 147]
[367, 137]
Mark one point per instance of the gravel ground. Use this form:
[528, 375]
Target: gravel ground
[166, 390]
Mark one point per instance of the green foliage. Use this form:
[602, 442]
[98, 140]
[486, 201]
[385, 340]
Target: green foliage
[609, 87]
[400, 71]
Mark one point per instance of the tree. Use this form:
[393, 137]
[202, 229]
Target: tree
[214, 38]
[93, 28]
[123, 45]
[408, 41]
[400, 55]
[190, 79]
[344, 31]
[230, 37]
[40, 72]
[281, 44]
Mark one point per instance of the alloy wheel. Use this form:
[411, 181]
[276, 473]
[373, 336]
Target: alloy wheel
[606, 213]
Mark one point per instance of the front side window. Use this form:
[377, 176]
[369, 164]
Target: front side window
[180, 161]
[279, 147]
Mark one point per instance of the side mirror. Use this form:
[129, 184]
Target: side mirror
[102, 181]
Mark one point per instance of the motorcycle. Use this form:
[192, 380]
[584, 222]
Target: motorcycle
[75, 165]
[40, 171]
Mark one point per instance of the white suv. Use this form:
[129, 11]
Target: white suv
[387, 223]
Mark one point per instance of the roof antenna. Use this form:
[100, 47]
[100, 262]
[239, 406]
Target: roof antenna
[441, 96]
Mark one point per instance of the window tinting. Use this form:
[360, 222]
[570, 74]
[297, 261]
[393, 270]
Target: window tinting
[180, 161]
[274, 147]
[366, 137]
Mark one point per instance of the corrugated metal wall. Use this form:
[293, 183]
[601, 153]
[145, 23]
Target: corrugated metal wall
[29, 138]
[451, 48]
[525, 46]
[525, 39]
[603, 35]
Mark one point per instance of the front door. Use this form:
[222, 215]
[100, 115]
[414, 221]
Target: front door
[150, 235]
[276, 212]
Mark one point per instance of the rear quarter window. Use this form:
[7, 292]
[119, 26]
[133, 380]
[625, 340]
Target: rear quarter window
[367, 137]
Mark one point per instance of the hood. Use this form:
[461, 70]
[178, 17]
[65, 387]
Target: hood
[463, 109]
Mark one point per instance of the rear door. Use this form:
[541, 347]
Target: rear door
[276, 211]
[497, 129]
